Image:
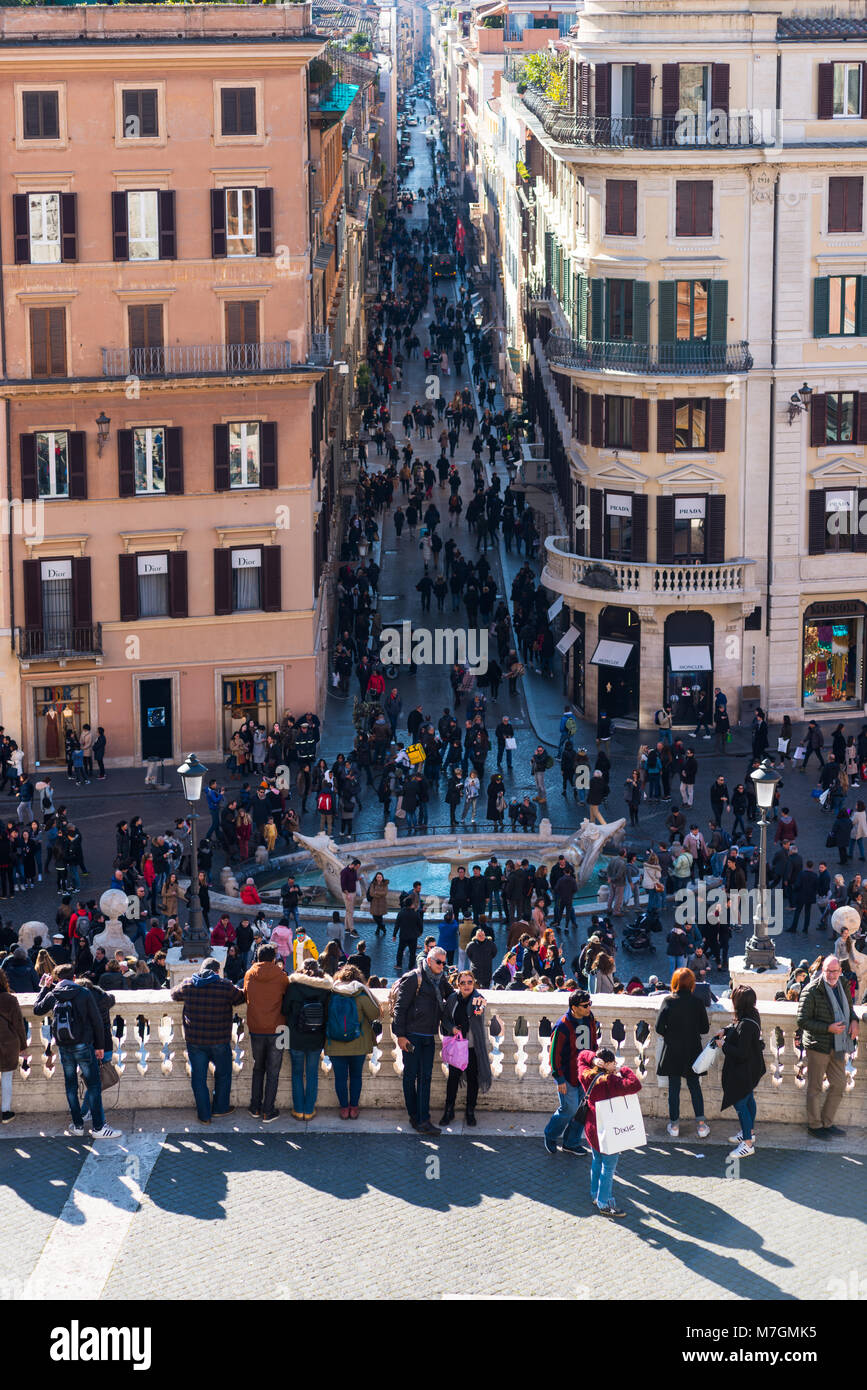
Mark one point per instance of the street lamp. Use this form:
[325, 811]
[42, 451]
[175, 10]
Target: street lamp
[197, 942]
[759, 953]
[103, 429]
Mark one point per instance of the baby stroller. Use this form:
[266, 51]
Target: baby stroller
[636, 936]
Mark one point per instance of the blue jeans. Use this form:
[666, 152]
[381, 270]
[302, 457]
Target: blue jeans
[293, 913]
[305, 1080]
[73, 882]
[654, 787]
[602, 1168]
[561, 1123]
[665, 736]
[348, 1072]
[746, 1110]
[417, 1073]
[566, 908]
[860, 845]
[676, 963]
[200, 1057]
[82, 1058]
[694, 1087]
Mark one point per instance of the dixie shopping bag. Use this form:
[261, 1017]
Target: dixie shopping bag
[706, 1058]
[619, 1124]
[456, 1052]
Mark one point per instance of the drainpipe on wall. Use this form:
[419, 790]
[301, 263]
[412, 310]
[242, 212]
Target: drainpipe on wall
[772, 403]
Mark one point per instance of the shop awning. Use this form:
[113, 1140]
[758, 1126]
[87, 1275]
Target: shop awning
[610, 653]
[689, 659]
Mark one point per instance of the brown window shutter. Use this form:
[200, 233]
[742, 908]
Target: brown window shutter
[168, 250]
[597, 428]
[704, 208]
[630, 208]
[21, 224]
[268, 454]
[612, 207]
[817, 525]
[247, 111]
[272, 595]
[222, 582]
[716, 426]
[584, 89]
[719, 87]
[128, 584]
[602, 74]
[641, 94]
[82, 603]
[665, 427]
[825, 101]
[29, 485]
[32, 573]
[233, 322]
[137, 326]
[221, 458]
[670, 88]
[597, 497]
[581, 417]
[683, 208]
[125, 464]
[250, 316]
[664, 530]
[179, 602]
[716, 530]
[242, 322]
[154, 325]
[818, 418]
[639, 525]
[861, 418]
[861, 527]
[174, 460]
[119, 227]
[57, 342]
[640, 425]
[148, 112]
[77, 465]
[264, 222]
[68, 224]
[836, 205]
[39, 342]
[218, 222]
[229, 110]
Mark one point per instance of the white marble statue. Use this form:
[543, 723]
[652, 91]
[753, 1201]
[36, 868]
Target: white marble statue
[113, 904]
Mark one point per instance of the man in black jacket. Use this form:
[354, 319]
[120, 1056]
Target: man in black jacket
[20, 972]
[77, 1029]
[407, 930]
[478, 892]
[459, 893]
[805, 890]
[480, 953]
[421, 996]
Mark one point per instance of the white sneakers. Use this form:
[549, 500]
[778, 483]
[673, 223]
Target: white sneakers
[703, 1129]
[106, 1133]
[745, 1149]
[672, 1129]
[739, 1139]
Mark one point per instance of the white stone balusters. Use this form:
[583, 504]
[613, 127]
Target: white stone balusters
[166, 1032]
[542, 1034]
[141, 1035]
[495, 1030]
[240, 1044]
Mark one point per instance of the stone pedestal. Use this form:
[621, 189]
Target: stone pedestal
[390, 834]
[180, 969]
[766, 983]
[28, 933]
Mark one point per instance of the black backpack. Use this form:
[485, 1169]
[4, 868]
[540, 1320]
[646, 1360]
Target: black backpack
[311, 1016]
[65, 1029]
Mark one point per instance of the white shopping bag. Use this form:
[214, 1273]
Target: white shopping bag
[619, 1124]
[800, 753]
[706, 1058]
[782, 745]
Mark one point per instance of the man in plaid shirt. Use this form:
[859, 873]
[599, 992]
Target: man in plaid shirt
[208, 1002]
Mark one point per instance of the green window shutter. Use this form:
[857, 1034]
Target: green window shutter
[821, 295]
[667, 301]
[640, 311]
[597, 310]
[862, 306]
[583, 291]
[717, 310]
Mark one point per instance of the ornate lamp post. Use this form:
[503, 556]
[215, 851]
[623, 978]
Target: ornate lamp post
[759, 951]
[197, 941]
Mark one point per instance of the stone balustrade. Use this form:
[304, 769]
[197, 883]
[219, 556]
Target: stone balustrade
[154, 1073]
[645, 583]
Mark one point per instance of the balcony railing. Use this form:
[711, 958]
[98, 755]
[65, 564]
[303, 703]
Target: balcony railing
[668, 359]
[58, 644]
[566, 572]
[642, 132]
[200, 359]
[320, 349]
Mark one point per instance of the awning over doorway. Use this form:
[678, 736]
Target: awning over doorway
[610, 653]
[689, 659]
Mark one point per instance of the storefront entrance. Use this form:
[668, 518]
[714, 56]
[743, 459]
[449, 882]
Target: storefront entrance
[833, 661]
[247, 697]
[689, 667]
[57, 709]
[617, 659]
[155, 699]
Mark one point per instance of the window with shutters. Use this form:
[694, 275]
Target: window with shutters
[240, 221]
[48, 342]
[693, 207]
[619, 317]
[152, 573]
[690, 531]
[43, 211]
[143, 221]
[845, 204]
[238, 110]
[694, 90]
[52, 463]
[246, 580]
[140, 114]
[618, 422]
[844, 298]
[691, 298]
[621, 207]
[841, 519]
[840, 416]
[690, 424]
[244, 454]
[847, 90]
[146, 338]
[57, 603]
[618, 526]
[580, 207]
[242, 332]
[41, 115]
[149, 460]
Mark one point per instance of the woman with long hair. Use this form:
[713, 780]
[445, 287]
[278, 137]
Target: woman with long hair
[601, 974]
[347, 1053]
[44, 964]
[743, 1066]
[602, 1079]
[13, 1044]
[464, 1017]
[377, 896]
[332, 957]
[680, 1023]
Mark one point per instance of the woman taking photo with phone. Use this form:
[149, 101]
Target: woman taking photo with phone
[602, 1079]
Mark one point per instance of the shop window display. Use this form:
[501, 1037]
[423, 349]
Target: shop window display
[832, 661]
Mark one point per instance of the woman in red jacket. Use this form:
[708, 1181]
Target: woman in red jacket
[602, 1079]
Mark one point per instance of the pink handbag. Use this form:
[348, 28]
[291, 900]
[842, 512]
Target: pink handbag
[456, 1052]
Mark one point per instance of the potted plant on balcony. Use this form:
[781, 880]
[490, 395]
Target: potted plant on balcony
[363, 383]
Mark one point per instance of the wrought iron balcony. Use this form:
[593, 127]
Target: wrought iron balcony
[58, 645]
[665, 359]
[199, 359]
[645, 132]
[320, 349]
